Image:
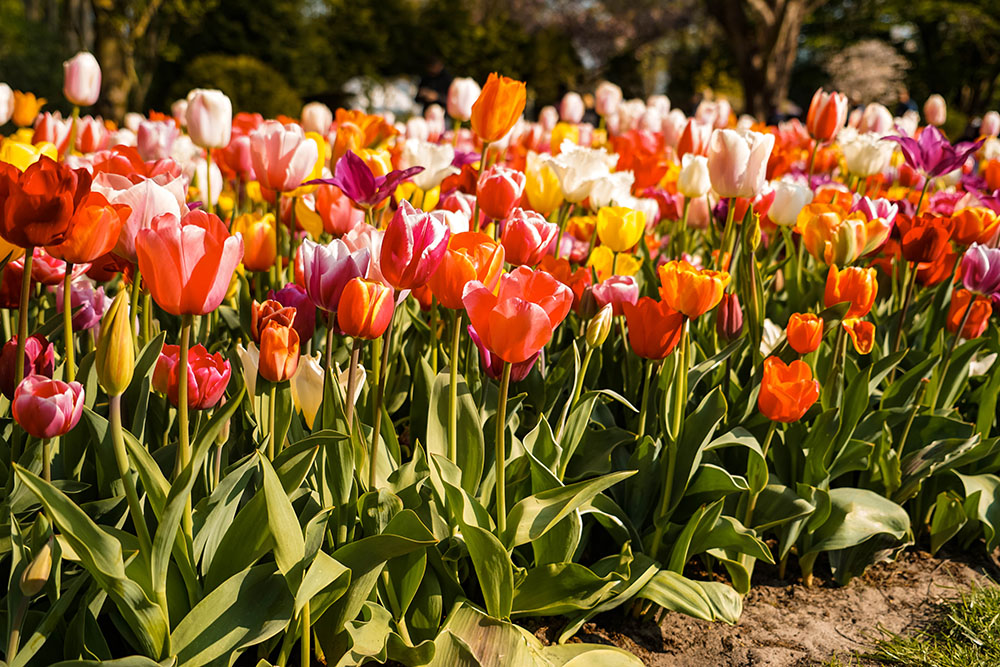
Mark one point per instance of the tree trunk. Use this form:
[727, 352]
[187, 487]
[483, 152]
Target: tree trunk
[117, 63]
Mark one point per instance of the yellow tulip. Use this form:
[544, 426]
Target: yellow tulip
[562, 132]
[619, 227]
[317, 170]
[424, 200]
[307, 218]
[22, 154]
[542, 187]
[607, 263]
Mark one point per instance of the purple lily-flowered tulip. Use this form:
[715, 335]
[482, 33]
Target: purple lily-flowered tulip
[932, 154]
[356, 180]
[295, 296]
[413, 246]
[327, 269]
[88, 303]
[981, 269]
[492, 365]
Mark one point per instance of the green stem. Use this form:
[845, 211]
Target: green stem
[474, 223]
[147, 317]
[563, 219]
[680, 385]
[726, 232]
[834, 379]
[456, 336]
[583, 375]
[270, 421]
[812, 158]
[379, 397]
[134, 299]
[902, 312]
[305, 652]
[184, 448]
[645, 399]
[501, 452]
[69, 365]
[682, 232]
[22, 316]
[47, 459]
[352, 382]
[15, 630]
[434, 335]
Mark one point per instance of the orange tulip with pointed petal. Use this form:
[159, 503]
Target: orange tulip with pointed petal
[498, 107]
[470, 256]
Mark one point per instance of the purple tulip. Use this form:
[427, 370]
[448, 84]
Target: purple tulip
[356, 180]
[39, 359]
[294, 296]
[327, 269]
[88, 304]
[932, 154]
[492, 365]
[981, 269]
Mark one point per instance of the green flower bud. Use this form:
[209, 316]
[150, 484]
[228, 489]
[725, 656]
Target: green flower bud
[600, 326]
[34, 576]
[115, 360]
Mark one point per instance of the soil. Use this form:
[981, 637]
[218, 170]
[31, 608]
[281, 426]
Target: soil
[785, 624]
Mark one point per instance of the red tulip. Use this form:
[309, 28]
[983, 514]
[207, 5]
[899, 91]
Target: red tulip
[827, 114]
[40, 201]
[413, 246]
[207, 377]
[654, 328]
[279, 351]
[526, 237]
[47, 408]
[499, 190]
[786, 392]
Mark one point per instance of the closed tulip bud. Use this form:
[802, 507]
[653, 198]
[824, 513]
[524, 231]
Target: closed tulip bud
[990, 126]
[82, 83]
[365, 309]
[571, 109]
[737, 161]
[498, 107]
[279, 351]
[36, 575]
[462, 94]
[876, 118]
[729, 317]
[607, 97]
[115, 360]
[526, 237]
[935, 110]
[693, 180]
[981, 269]
[600, 326]
[39, 359]
[827, 114]
[316, 117]
[789, 200]
[209, 116]
[866, 154]
[694, 138]
[548, 117]
[588, 306]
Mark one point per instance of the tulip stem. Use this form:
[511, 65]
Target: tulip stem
[434, 335]
[184, 447]
[834, 379]
[474, 223]
[208, 181]
[379, 396]
[270, 421]
[330, 319]
[812, 159]
[908, 296]
[644, 399]
[951, 348]
[680, 385]
[305, 657]
[564, 210]
[47, 459]
[22, 317]
[682, 232]
[134, 299]
[352, 381]
[14, 640]
[726, 232]
[501, 452]
[923, 193]
[69, 365]
[752, 501]
[456, 336]
[147, 317]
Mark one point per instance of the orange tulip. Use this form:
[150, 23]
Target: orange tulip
[262, 314]
[978, 318]
[974, 225]
[654, 328]
[500, 104]
[365, 309]
[279, 352]
[93, 231]
[786, 392]
[26, 108]
[470, 256]
[862, 334]
[857, 286]
[260, 246]
[804, 332]
[689, 290]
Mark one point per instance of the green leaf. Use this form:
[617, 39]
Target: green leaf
[709, 601]
[470, 438]
[493, 568]
[289, 547]
[101, 555]
[588, 655]
[326, 575]
[52, 619]
[948, 519]
[983, 493]
[248, 608]
[857, 515]
[132, 661]
[560, 588]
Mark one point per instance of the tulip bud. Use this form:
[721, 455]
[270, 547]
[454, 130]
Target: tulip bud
[588, 303]
[209, 116]
[115, 359]
[599, 327]
[35, 576]
[693, 180]
[316, 117]
[935, 110]
[990, 126]
[729, 317]
[7, 103]
[82, 84]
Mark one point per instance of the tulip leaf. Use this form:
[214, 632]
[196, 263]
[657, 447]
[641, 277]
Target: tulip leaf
[471, 445]
[131, 661]
[982, 493]
[707, 600]
[857, 515]
[560, 588]
[949, 517]
[494, 570]
[588, 655]
[289, 547]
[101, 555]
[324, 582]
[136, 395]
[248, 608]
[778, 504]
[50, 622]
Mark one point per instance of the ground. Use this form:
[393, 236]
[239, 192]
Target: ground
[785, 624]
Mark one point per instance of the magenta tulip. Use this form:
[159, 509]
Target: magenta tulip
[47, 408]
[328, 268]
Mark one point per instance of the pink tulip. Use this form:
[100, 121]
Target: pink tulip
[527, 236]
[737, 162]
[156, 139]
[282, 155]
[413, 246]
[462, 94]
[328, 268]
[91, 134]
[53, 129]
[82, 82]
[935, 110]
[47, 408]
[875, 118]
[694, 138]
[39, 359]
[209, 115]
[548, 117]
[616, 290]
[317, 117]
[148, 200]
[607, 97]
[364, 235]
[571, 109]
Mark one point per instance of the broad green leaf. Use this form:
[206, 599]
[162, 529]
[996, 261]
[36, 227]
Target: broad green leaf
[706, 600]
[560, 588]
[984, 493]
[326, 575]
[289, 547]
[493, 570]
[588, 655]
[857, 515]
[133, 661]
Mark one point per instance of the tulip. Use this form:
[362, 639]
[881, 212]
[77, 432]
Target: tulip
[866, 155]
[526, 237]
[560, 269]
[579, 168]
[283, 157]
[357, 180]
[968, 315]
[599, 327]
[115, 358]
[935, 110]
[47, 408]
[499, 191]
[94, 230]
[148, 200]
[694, 138]
[296, 297]
[924, 237]
[6, 103]
[87, 304]
[607, 97]
[690, 290]
[40, 201]
[854, 285]
[188, 264]
[279, 351]
[82, 79]
[462, 94]
[990, 126]
[91, 134]
[207, 376]
[39, 359]
[22, 154]
[612, 189]
[572, 108]
[493, 365]
[737, 162]
[317, 117]
[262, 314]
[620, 228]
[654, 328]
[335, 209]
[616, 291]
[497, 108]
[804, 332]
[260, 245]
[729, 317]
[471, 256]
[981, 269]
[541, 186]
[832, 237]
[694, 180]
[365, 309]
[827, 114]
[789, 200]
[26, 108]
[862, 334]
[877, 119]
[518, 321]
[327, 269]
[932, 154]
[786, 392]
[436, 160]
[209, 116]
[974, 225]
[413, 247]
